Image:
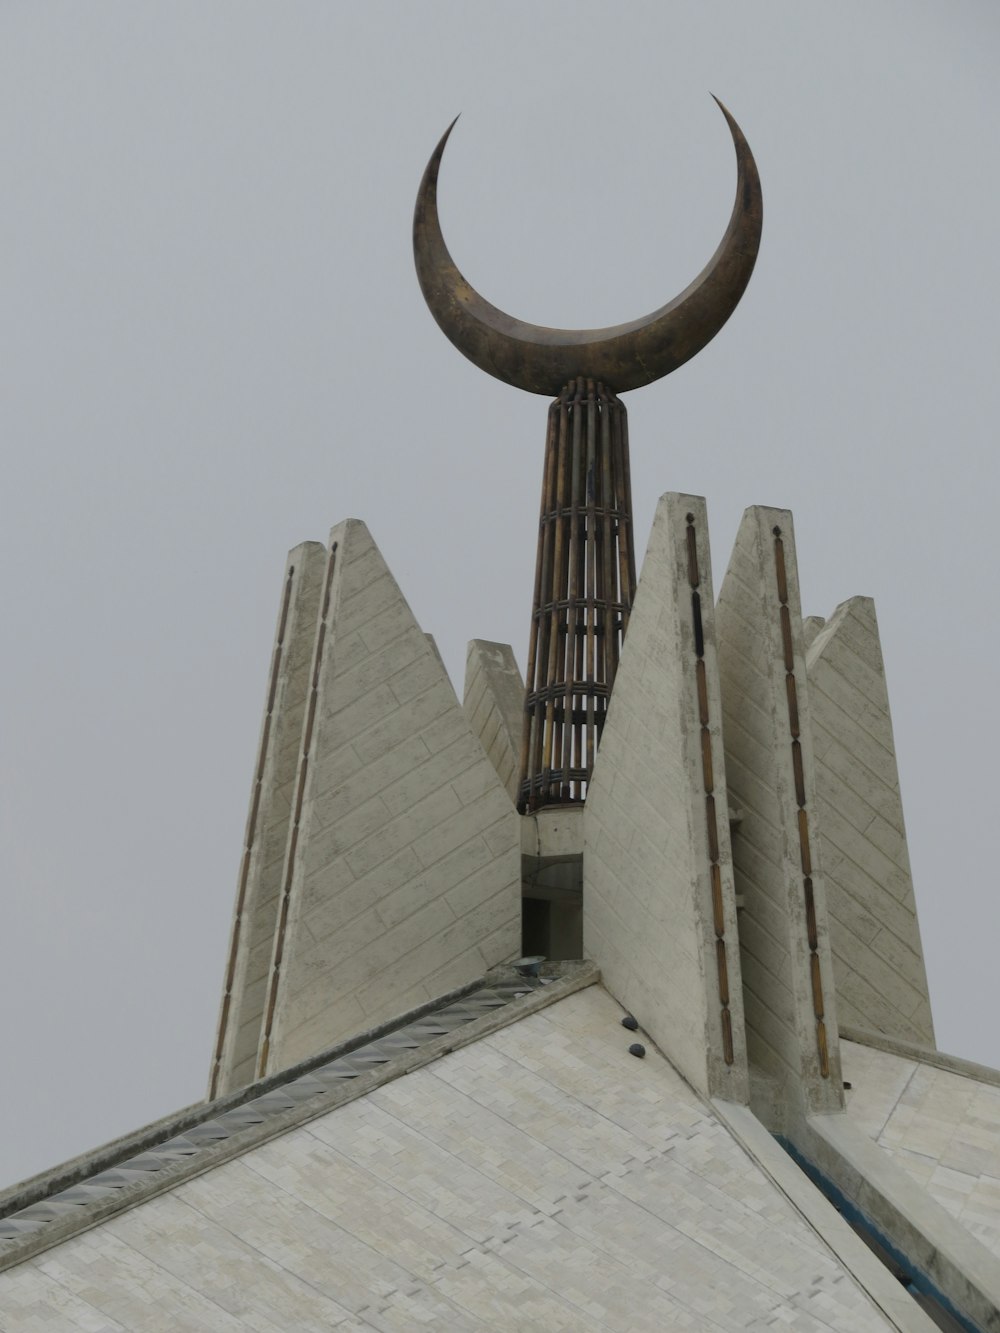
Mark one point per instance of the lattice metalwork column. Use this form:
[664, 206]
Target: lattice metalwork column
[584, 588]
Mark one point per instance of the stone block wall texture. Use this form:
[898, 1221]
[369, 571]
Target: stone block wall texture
[784, 935]
[494, 704]
[260, 877]
[659, 914]
[401, 876]
[878, 960]
[522, 1183]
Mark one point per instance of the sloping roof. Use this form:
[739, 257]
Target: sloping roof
[538, 1178]
[941, 1124]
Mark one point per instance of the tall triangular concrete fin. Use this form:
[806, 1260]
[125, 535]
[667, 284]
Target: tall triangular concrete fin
[494, 704]
[784, 935]
[402, 871]
[877, 955]
[659, 908]
[259, 889]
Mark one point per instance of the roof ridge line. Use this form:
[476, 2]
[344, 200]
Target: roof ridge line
[127, 1172]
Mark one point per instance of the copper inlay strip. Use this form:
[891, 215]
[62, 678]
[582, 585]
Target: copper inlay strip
[692, 556]
[817, 985]
[793, 704]
[811, 915]
[786, 639]
[798, 772]
[706, 758]
[717, 912]
[702, 683]
[779, 567]
[713, 830]
[824, 1054]
[708, 775]
[800, 781]
[804, 842]
[699, 632]
[720, 958]
[727, 1037]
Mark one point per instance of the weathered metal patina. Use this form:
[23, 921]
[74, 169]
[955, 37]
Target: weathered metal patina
[585, 576]
[624, 356]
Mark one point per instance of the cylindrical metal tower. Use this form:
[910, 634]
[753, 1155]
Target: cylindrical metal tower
[584, 587]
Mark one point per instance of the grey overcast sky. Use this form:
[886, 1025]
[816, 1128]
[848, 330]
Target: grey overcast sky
[214, 347]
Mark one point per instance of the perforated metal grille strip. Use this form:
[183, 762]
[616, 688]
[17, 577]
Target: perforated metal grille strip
[314, 1085]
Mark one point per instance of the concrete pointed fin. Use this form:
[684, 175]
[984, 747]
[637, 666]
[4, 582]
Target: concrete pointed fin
[401, 874]
[784, 934]
[658, 901]
[878, 959]
[494, 704]
[259, 886]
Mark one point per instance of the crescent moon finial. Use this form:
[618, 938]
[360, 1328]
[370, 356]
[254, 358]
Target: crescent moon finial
[623, 356]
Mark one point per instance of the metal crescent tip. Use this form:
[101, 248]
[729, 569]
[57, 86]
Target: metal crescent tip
[622, 357]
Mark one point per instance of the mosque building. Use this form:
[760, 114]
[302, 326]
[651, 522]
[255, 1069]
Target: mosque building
[592, 1000]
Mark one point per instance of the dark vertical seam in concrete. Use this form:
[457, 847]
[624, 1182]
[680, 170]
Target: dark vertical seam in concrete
[251, 833]
[802, 817]
[708, 779]
[293, 839]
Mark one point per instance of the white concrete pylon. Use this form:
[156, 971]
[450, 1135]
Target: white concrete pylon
[658, 901]
[493, 700]
[260, 877]
[877, 955]
[401, 876]
[784, 935]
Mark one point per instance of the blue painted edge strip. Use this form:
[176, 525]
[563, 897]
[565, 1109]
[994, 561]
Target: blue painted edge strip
[919, 1281]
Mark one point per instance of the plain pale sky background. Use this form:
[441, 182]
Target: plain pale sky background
[214, 347]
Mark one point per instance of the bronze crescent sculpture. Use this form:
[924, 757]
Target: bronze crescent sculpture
[585, 572]
[624, 356]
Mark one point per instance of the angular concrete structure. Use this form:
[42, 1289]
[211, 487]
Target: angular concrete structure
[258, 892]
[536, 1177]
[659, 907]
[786, 961]
[535, 1174]
[878, 960]
[400, 874]
[493, 700]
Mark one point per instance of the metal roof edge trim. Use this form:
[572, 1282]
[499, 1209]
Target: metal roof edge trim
[23, 1193]
[560, 980]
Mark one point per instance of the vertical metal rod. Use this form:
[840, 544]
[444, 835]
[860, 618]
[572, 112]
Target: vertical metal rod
[551, 592]
[545, 581]
[584, 587]
[610, 590]
[627, 505]
[569, 655]
[624, 508]
[530, 709]
[529, 712]
[591, 680]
